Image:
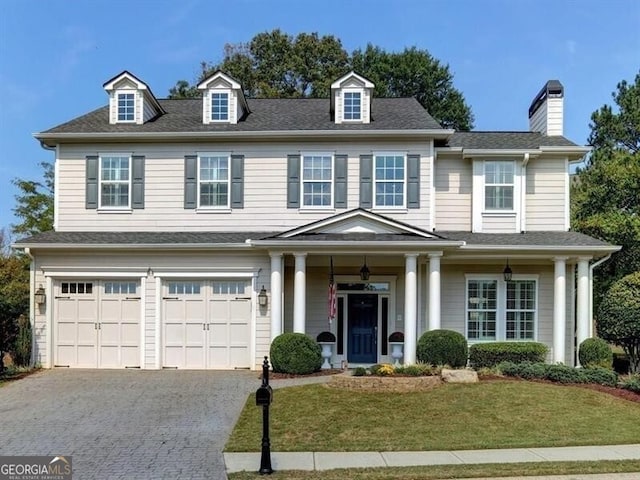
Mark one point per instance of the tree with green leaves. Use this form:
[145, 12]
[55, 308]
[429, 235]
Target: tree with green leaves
[277, 65]
[35, 203]
[619, 318]
[606, 196]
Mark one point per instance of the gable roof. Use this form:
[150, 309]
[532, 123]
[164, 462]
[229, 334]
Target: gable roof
[501, 140]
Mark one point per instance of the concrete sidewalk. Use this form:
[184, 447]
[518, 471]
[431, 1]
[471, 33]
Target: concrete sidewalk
[236, 462]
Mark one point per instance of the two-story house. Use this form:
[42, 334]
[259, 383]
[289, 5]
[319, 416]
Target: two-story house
[190, 233]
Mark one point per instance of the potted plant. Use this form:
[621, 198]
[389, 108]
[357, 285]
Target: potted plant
[396, 340]
[326, 340]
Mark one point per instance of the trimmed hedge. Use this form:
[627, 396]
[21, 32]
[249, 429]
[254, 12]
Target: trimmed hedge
[295, 353]
[443, 347]
[595, 352]
[559, 373]
[489, 355]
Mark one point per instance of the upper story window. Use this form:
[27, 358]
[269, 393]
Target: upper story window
[219, 106]
[213, 180]
[390, 180]
[317, 178]
[352, 106]
[499, 185]
[126, 107]
[498, 310]
[115, 181]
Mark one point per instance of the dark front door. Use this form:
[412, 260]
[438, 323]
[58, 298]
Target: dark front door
[362, 328]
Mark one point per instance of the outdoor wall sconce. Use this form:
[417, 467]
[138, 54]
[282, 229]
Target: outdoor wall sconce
[39, 296]
[364, 271]
[507, 272]
[262, 297]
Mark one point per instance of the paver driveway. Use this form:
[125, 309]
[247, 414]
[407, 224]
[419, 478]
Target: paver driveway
[126, 424]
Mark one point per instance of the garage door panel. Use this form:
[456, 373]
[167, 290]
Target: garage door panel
[87, 356]
[130, 335]
[87, 310]
[130, 355]
[66, 333]
[194, 356]
[239, 356]
[194, 337]
[174, 335]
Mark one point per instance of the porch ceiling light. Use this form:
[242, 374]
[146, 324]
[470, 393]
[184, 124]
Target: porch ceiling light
[364, 271]
[39, 296]
[262, 297]
[507, 272]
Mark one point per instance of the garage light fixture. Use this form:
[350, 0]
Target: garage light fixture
[262, 297]
[364, 271]
[39, 296]
[507, 272]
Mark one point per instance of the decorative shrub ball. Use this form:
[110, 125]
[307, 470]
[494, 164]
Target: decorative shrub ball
[443, 347]
[595, 352]
[295, 353]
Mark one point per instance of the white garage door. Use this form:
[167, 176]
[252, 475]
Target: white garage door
[97, 324]
[206, 324]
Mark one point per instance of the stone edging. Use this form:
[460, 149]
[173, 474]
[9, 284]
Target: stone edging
[387, 384]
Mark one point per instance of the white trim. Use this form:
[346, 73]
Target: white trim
[501, 306]
[220, 91]
[56, 189]
[143, 319]
[331, 182]
[117, 95]
[390, 153]
[361, 92]
[158, 321]
[163, 273]
[366, 83]
[432, 187]
[94, 273]
[567, 199]
[49, 360]
[559, 308]
[115, 208]
[217, 208]
[522, 222]
[485, 152]
[253, 322]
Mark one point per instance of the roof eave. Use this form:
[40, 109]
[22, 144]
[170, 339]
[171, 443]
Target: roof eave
[52, 139]
[129, 246]
[604, 249]
[493, 152]
[359, 244]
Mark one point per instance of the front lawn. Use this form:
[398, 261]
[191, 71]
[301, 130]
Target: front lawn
[493, 414]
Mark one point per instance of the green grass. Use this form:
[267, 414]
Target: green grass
[453, 471]
[501, 414]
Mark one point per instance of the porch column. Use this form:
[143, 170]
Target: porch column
[559, 308]
[276, 294]
[299, 293]
[582, 313]
[434, 290]
[410, 307]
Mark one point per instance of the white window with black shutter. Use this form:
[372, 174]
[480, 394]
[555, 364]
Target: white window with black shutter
[390, 180]
[115, 181]
[213, 181]
[317, 180]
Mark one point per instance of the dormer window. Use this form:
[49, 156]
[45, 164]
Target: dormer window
[126, 107]
[498, 185]
[352, 105]
[220, 106]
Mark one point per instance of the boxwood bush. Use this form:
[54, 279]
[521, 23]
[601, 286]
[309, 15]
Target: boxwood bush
[559, 373]
[443, 347]
[602, 376]
[595, 352]
[489, 355]
[295, 353]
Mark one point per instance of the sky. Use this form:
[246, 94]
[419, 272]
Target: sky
[55, 55]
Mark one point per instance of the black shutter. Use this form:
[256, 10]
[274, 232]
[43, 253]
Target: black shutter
[190, 181]
[293, 181]
[413, 181]
[366, 181]
[91, 198]
[237, 181]
[340, 181]
[137, 182]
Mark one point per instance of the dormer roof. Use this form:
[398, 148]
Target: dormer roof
[219, 79]
[127, 79]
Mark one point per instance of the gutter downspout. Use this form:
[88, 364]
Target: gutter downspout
[591, 269]
[523, 193]
[32, 303]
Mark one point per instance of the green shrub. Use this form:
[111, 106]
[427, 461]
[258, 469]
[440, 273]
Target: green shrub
[375, 368]
[359, 372]
[600, 375]
[533, 371]
[443, 347]
[509, 369]
[491, 354]
[595, 352]
[295, 353]
[564, 374]
[631, 383]
[23, 342]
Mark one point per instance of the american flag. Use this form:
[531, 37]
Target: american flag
[332, 297]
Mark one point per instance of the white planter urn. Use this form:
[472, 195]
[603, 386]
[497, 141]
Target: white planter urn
[326, 340]
[396, 352]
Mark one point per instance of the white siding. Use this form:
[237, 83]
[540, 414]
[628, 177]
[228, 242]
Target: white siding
[546, 194]
[264, 189]
[492, 223]
[548, 119]
[453, 190]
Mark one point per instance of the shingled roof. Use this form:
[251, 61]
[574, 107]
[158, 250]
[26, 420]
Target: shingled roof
[274, 114]
[502, 140]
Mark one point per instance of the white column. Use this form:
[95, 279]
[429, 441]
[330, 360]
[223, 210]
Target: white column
[582, 313]
[410, 307]
[299, 293]
[276, 294]
[559, 308]
[434, 290]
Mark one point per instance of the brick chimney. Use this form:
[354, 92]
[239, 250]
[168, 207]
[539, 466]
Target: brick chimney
[546, 113]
